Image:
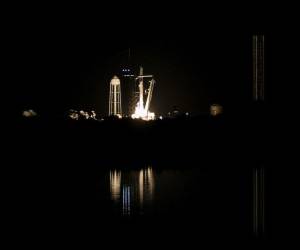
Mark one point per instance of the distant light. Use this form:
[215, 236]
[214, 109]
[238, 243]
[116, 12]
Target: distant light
[73, 114]
[160, 117]
[187, 113]
[29, 113]
[216, 109]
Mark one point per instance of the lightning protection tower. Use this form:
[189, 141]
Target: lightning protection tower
[115, 107]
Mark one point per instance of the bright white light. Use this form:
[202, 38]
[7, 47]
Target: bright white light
[160, 117]
[141, 113]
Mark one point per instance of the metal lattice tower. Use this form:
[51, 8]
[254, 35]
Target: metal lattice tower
[259, 171]
[115, 107]
[258, 67]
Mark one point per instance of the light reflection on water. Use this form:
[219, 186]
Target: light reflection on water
[115, 184]
[216, 200]
[126, 200]
[137, 190]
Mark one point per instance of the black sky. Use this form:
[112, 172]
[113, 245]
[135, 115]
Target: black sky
[64, 57]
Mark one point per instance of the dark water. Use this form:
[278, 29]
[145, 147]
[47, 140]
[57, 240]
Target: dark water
[174, 202]
[147, 191]
[205, 202]
[175, 205]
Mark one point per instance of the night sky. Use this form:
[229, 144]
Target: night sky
[62, 58]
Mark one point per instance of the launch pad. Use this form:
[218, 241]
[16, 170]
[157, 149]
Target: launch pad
[137, 108]
[141, 110]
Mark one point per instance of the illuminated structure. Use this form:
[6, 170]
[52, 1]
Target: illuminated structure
[258, 67]
[115, 107]
[141, 110]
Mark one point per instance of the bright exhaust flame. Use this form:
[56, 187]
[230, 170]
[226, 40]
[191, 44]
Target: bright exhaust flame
[141, 113]
[141, 110]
